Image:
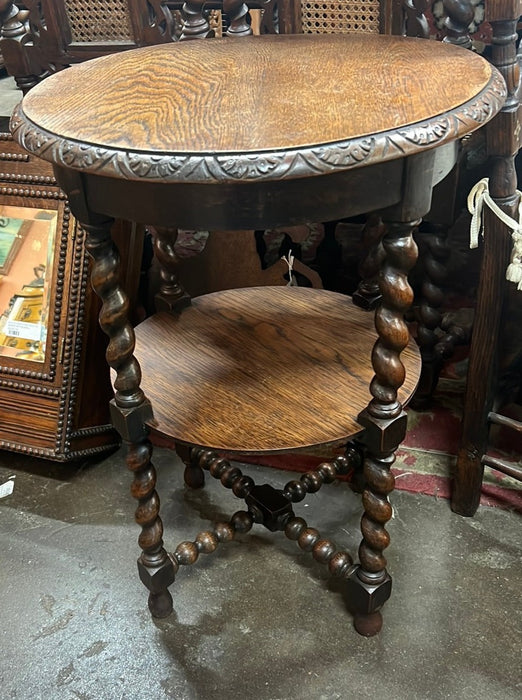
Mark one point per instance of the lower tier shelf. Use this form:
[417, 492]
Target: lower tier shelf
[262, 369]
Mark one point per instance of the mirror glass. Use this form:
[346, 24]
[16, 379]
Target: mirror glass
[27, 237]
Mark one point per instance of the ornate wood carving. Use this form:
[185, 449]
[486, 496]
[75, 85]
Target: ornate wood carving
[171, 294]
[130, 412]
[397, 296]
[415, 21]
[195, 22]
[385, 424]
[159, 26]
[237, 12]
[368, 294]
[435, 254]
[20, 56]
[12, 20]
[40, 40]
[459, 16]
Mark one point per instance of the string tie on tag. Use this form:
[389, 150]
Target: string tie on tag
[289, 260]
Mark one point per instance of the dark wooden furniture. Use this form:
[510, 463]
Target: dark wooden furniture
[372, 17]
[53, 386]
[52, 402]
[480, 402]
[227, 134]
[45, 36]
[486, 26]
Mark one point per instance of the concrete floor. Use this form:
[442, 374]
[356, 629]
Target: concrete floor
[255, 620]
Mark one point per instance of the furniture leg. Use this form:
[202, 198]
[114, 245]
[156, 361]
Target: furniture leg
[482, 368]
[130, 410]
[194, 476]
[434, 258]
[502, 140]
[369, 585]
[171, 295]
[367, 295]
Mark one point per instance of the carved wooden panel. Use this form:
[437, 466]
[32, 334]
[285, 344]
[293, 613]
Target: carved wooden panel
[42, 37]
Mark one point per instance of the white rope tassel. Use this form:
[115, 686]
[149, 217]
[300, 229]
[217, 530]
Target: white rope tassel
[479, 196]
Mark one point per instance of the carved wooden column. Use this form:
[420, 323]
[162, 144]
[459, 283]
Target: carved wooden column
[237, 12]
[195, 22]
[459, 15]
[14, 29]
[171, 295]
[367, 295]
[384, 419]
[130, 409]
[434, 257]
[385, 423]
[502, 138]
[435, 249]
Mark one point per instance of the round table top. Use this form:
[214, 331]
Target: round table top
[261, 108]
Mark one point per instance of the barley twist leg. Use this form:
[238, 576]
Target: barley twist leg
[130, 410]
[385, 423]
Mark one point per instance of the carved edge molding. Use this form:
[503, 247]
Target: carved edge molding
[262, 166]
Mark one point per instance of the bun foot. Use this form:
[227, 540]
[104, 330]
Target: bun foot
[160, 604]
[368, 625]
[194, 477]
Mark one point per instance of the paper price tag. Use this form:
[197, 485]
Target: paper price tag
[7, 488]
[21, 329]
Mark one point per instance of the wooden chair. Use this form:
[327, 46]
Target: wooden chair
[482, 399]
[48, 35]
[502, 146]
[480, 404]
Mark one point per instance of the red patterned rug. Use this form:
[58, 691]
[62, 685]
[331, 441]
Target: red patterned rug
[426, 458]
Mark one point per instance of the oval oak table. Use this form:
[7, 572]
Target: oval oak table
[262, 132]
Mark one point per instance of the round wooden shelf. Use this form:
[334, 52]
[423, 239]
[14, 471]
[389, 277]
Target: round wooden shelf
[262, 369]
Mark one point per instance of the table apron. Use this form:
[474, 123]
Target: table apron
[252, 204]
[248, 205]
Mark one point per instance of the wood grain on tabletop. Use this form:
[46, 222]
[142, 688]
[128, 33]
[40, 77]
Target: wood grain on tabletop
[262, 369]
[301, 92]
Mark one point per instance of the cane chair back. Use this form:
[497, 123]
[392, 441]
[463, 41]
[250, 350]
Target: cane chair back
[341, 16]
[97, 22]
